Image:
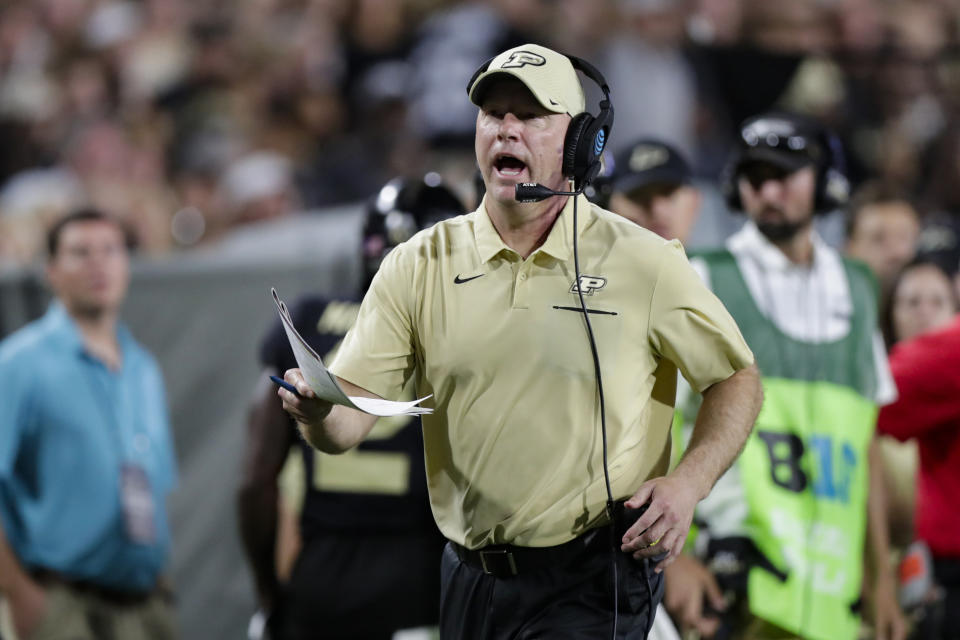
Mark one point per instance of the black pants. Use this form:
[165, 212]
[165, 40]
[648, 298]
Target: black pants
[569, 600]
[361, 586]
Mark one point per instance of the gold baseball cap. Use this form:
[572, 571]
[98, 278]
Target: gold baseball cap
[548, 75]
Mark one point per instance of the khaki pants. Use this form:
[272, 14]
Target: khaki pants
[77, 615]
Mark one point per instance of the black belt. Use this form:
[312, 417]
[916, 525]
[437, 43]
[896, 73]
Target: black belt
[506, 560]
[46, 577]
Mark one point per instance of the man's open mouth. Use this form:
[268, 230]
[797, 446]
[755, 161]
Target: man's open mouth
[507, 165]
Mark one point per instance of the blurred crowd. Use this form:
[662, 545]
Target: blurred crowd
[186, 119]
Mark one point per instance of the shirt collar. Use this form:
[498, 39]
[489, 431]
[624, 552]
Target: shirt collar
[489, 243]
[750, 240]
[559, 242]
[64, 326]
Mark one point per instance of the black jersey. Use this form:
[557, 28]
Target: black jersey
[380, 483]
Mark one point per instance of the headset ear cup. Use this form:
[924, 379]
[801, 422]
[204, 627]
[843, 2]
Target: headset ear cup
[573, 145]
[589, 150]
[833, 186]
[729, 187]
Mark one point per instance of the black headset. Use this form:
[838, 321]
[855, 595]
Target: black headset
[587, 134]
[793, 133]
[583, 145]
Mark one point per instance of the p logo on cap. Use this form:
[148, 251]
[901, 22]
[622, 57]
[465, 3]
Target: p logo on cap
[518, 59]
[648, 156]
[548, 75]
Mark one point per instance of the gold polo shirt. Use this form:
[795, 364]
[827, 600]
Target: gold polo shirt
[514, 447]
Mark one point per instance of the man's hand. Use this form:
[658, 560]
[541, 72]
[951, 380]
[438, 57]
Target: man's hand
[888, 620]
[307, 409]
[688, 584]
[325, 426]
[27, 605]
[663, 527]
[723, 423]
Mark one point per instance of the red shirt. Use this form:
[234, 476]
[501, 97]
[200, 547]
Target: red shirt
[927, 372]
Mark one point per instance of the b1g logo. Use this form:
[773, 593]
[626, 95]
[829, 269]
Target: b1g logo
[518, 59]
[589, 284]
[829, 470]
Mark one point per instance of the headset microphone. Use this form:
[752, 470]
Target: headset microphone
[535, 192]
[586, 137]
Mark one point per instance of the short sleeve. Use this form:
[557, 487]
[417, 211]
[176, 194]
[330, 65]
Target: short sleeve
[690, 326]
[15, 410]
[378, 353]
[927, 379]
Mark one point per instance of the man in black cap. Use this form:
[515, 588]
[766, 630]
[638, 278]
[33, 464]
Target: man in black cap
[650, 185]
[784, 532]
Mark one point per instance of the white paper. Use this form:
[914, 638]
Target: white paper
[324, 384]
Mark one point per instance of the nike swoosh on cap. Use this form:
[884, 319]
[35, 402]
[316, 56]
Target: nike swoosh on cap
[459, 280]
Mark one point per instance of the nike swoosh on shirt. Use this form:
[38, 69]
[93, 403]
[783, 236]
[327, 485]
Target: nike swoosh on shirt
[459, 280]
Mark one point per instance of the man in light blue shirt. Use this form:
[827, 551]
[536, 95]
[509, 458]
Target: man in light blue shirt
[86, 457]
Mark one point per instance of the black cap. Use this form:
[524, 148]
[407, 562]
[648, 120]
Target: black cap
[648, 161]
[939, 242]
[787, 141]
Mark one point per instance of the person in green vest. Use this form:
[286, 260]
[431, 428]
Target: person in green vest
[792, 536]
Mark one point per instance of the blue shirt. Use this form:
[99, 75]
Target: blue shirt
[68, 426]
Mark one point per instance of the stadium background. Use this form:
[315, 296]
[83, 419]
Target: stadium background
[239, 139]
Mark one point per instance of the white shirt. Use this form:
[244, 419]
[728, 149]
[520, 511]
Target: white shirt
[810, 303]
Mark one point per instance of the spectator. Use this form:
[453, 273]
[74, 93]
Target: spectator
[86, 460]
[646, 41]
[883, 228]
[927, 410]
[651, 185]
[30, 202]
[256, 187]
[811, 319]
[921, 299]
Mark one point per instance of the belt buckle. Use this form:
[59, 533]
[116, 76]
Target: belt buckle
[490, 559]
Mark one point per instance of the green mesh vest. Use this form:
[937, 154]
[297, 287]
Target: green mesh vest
[804, 469]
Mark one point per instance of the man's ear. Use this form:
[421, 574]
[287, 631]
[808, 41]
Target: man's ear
[697, 200]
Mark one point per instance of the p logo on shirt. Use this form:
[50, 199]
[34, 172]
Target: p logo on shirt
[589, 284]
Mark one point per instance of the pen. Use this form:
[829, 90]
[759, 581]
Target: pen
[286, 385]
